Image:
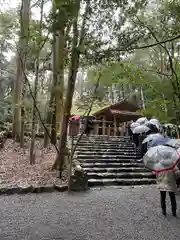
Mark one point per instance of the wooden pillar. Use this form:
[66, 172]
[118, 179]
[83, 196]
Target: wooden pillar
[115, 125]
[96, 128]
[177, 131]
[104, 126]
[124, 132]
[109, 130]
[68, 129]
[81, 126]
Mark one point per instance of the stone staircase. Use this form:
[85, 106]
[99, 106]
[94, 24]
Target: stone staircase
[111, 161]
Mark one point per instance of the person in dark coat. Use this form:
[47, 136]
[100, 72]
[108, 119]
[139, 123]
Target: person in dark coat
[130, 133]
[136, 140]
[89, 125]
[168, 131]
[143, 146]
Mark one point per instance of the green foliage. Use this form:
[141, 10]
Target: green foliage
[8, 24]
[63, 11]
[36, 42]
[157, 91]
[111, 28]
[6, 110]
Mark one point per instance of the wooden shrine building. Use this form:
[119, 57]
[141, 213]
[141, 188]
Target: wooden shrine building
[111, 120]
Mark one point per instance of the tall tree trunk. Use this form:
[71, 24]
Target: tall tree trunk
[56, 101]
[74, 65]
[52, 114]
[60, 78]
[21, 62]
[58, 75]
[34, 117]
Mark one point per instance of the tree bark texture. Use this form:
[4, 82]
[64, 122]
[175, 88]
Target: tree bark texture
[21, 64]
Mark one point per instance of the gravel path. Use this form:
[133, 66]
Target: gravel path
[102, 214]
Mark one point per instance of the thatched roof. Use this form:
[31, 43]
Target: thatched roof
[120, 106]
[123, 111]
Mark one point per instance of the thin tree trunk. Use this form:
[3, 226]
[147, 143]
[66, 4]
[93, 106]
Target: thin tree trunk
[18, 123]
[53, 92]
[51, 114]
[49, 118]
[48, 121]
[142, 98]
[22, 126]
[34, 117]
[17, 100]
[25, 35]
[53, 128]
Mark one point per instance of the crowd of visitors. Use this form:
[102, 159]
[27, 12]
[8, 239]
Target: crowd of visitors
[168, 178]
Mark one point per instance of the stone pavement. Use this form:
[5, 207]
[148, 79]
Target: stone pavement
[99, 214]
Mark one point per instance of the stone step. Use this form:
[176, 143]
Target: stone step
[98, 150]
[105, 160]
[107, 138]
[106, 157]
[103, 141]
[121, 182]
[114, 170]
[102, 149]
[107, 153]
[101, 144]
[116, 165]
[111, 161]
[125, 175]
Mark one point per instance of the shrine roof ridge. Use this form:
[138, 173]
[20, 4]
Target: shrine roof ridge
[123, 105]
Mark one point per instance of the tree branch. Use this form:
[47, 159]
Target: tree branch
[137, 48]
[177, 85]
[37, 109]
[34, 4]
[157, 72]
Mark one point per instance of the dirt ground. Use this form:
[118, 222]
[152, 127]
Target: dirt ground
[15, 165]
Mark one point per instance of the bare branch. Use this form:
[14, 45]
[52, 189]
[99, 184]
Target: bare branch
[157, 72]
[35, 4]
[137, 48]
[37, 109]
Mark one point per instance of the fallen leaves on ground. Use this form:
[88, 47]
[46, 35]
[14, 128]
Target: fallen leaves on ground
[15, 165]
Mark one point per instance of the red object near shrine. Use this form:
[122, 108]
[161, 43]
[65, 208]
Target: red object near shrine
[75, 117]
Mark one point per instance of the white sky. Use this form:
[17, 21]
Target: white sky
[7, 4]
[10, 4]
